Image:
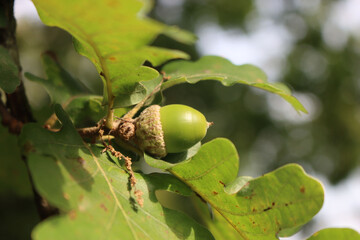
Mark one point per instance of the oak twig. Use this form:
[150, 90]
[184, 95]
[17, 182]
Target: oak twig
[138, 106]
[128, 163]
[16, 112]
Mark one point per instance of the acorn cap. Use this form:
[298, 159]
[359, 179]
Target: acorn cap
[149, 133]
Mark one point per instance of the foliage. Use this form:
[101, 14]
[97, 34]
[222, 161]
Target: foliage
[118, 50]
[8, 70]
[93, 190]
[335, 233]
[13, 174]
[93, 193]
[216, 68]
[317, 56]
[286, 196]
[60, 85]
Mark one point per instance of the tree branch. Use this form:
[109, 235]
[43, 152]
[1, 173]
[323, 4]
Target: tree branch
[10, 121]
[17, 110]
[16, 103]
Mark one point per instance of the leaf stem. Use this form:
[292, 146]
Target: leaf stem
[106, 75]
[138, 106]
[133, 111]
[110, 113]
[168, 84]
[109, 120]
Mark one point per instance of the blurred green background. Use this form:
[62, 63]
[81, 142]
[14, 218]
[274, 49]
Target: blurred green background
[313, 46]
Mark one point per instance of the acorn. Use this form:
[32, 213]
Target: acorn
[169, 129]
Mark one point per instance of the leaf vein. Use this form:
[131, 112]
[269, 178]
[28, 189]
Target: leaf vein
[209, 169]
[127, 218]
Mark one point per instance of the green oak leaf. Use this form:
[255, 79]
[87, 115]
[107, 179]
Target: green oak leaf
[171, 159]
[59, 84]
[92, 192]
[336, 233]
[240, 183]
[9, 71]
[114, 35]
[214, 221]
[86, 111]
[263, 207]
[220, 69]
[142, 89]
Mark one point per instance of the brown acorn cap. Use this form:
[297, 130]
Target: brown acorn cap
[149, 133]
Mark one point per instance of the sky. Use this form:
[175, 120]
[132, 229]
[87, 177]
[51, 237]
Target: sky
[266, 46]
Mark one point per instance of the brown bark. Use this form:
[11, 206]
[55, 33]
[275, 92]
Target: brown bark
[16, 103]
[16, 112]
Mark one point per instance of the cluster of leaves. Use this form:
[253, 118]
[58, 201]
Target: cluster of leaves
[318, 67]
[90, 188]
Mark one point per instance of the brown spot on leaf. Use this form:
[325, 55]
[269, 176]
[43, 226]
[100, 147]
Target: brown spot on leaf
[112, 58]
[302, 189]
[273, 203]
[215, 193]
[103, 207]
[28, 147]
[112, 3]
[267, 209]
[222, 183]
[81, 161]
[66, 196]
[81, 197]
[277, 223]
[108, 196]
[254, 209]
[72, 214]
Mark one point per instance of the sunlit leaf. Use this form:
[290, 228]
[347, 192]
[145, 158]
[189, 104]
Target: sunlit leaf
[114, 35]
[220, 69]
[335, 233]
[92, 192]
[262, 207]
[215, 222]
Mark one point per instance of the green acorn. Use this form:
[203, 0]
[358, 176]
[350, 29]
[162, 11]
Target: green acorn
[169, 129]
